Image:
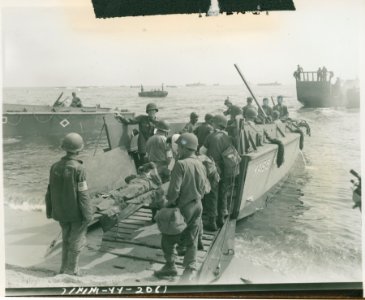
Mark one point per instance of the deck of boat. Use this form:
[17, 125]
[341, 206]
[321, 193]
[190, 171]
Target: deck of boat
[136, 236]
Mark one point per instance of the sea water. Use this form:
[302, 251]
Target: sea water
[308, 231]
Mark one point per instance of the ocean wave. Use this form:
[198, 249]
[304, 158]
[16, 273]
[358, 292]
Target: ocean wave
[25, 206]
[9, 141]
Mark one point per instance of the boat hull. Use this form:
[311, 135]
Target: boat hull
[153, 94]
[36, 120]
[262, 174]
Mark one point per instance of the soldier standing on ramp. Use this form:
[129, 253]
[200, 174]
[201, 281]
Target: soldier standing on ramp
[187, 188]
[68, 202]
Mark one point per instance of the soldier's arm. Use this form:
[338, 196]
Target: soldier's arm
[175, 184]
[128, 121]
[83, 196]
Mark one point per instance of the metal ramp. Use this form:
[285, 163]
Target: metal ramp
[136, 236]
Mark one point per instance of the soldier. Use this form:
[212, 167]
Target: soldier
[146, 124]
[158, 151]
[76, 101]
[193, 124]
[68, 202]
[204, 129]
[324, 73]
[319, 74]
[282, 109]
[187, 188]
[267, 109]
[216, 200]
[248, 105]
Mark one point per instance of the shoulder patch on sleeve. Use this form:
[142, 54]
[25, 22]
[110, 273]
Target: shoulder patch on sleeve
[82, 186]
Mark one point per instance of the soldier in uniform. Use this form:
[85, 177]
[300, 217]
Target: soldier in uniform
[247, 106]
[193, 124]
[282, 109]
[204, 129]
[158, 151]
[76, 101]
[146, 124]
[68, 202]
[186, 190]
[216, 200]
[267, 109]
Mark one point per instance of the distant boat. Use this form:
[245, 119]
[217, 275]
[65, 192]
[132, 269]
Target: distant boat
[269, 84]
[171, 86]
[153, 94]
[195, 84]
[315, 91]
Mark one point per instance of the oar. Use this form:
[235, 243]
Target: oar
[249, 89]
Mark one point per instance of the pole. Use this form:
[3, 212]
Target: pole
[273, 102]
[249, 89]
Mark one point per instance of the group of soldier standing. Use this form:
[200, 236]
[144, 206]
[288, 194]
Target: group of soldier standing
[198, 181]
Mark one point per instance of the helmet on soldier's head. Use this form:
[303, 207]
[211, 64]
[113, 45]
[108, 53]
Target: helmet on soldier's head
[188, 141]
[235, 111]
[227, 101]
[194, 115]
[151, 106]
[163, 125]
[275, 115]
[249, 99]
[220, 121]
[208, 117]
[251, 113]
[73, 143]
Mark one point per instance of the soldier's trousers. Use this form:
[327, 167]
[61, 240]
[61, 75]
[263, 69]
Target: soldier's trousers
[73, 241]
[215, 203]
[192, 213]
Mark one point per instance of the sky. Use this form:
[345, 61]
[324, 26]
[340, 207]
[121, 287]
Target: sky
[61, 43]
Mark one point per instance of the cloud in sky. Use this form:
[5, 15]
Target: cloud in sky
[64, 45]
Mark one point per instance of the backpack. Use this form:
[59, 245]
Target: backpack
[231, 161]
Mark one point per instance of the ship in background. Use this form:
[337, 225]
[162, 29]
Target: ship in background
[196, 84]
[269, 84]
[153, 93]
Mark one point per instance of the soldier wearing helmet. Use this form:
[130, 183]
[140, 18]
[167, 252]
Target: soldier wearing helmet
[193, 124]
[68, 202]
[186, 189]
[146, 124]
[267, 109]
[281, 108]
[204, 129]
[247, 106]
[216, 201]
[158, 151]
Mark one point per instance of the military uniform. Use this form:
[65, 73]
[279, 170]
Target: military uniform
[67, 201]
[76, 102]
[159, 153]
[190, 127]
[146, 127]
[187, 188]
[244, 109]
[202, 131]
[282, 109]
[216, 200]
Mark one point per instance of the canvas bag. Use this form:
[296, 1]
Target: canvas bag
[170, 221]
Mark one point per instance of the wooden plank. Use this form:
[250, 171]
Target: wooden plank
[125, 225]
[133, 242]
[142, 218]
[129, 221]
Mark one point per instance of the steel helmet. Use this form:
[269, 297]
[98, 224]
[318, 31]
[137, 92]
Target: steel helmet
[188, 140]
[227, 101]
[170, 221]
[163, 125]
[235, 111]
[151, 106]
[208, 117]
[73, 143]
[220, 121]
[251, 113]
[194, 115]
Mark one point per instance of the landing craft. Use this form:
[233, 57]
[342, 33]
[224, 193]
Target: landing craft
[268, 152]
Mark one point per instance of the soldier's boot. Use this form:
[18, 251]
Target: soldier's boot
[188, 276]
[210, 225]
[168, 270]
[73, 264]
[221, 218]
